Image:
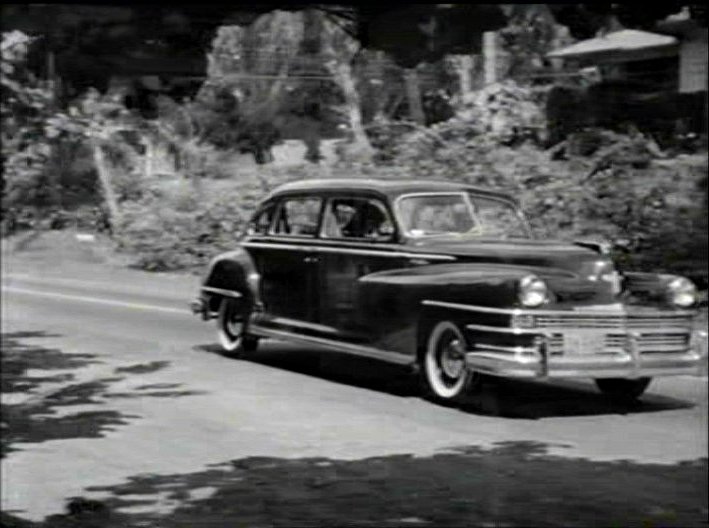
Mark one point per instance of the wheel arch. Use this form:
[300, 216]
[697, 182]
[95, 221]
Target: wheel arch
[234, 271]
[429, 317]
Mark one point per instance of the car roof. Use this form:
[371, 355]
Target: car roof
[391, 188]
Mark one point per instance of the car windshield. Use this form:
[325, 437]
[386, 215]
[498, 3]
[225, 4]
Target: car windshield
[460, 214]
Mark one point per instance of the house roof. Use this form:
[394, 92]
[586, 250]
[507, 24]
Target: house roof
[619, 41]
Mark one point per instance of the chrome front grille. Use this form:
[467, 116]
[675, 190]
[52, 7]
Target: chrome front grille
[614, 343]
[659, 343]
[630, 322]
[612, 333]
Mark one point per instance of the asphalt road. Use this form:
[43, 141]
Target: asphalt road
[114, 392]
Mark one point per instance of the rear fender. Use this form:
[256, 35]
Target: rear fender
[233, 272]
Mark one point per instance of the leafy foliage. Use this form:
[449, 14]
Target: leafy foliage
[26, 150]
[171, 226]
[603, 184]
[530, 33]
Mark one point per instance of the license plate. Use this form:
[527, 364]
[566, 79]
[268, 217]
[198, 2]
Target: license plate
[583, 343]
[615, 307]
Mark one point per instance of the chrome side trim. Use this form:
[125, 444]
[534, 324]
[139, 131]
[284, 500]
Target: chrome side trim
[349, 251]
[507, 330]
[221, 291]
[285, 321]
[474, 308]
[574, 313]
[508, 349]
[374, 353]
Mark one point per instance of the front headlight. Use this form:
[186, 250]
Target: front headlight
[682, 292]
[533, 291]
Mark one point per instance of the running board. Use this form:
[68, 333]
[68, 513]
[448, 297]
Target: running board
[358, 350]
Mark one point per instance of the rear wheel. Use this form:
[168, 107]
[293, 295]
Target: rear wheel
[623, 390]
[445, 377]
[231, 329]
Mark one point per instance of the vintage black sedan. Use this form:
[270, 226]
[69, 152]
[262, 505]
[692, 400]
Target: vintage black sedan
[447, 278]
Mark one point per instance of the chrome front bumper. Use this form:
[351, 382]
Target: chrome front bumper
[200, 305]
[539, 364]
[590, 343]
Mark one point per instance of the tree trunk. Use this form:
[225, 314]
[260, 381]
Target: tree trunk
[413, 93]
[346, 81]
[149, 156]
[104, 176]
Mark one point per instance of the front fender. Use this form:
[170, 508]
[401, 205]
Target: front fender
[389, 303]
[493, 286]
[647, 288]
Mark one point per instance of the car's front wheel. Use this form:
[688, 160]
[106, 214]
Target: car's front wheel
[623, 390]
[446, 378]
[231, 329]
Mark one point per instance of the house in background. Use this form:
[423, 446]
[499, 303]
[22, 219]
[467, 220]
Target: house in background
[663, 74]
[693, 66]
[627, 54]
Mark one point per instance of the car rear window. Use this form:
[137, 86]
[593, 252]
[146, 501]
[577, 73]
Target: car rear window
[298, 217]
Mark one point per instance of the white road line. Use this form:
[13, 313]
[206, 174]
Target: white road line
[96, 300]
[26, 277]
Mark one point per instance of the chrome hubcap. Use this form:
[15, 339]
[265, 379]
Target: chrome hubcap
[452, 359]
[234, 327]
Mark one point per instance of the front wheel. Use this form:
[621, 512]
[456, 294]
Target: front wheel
[231, 329]
[446, 378]
[623, 390]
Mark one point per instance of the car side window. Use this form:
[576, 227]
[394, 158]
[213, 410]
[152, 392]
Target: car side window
[298, 217]
[357, 218]
[261, 221]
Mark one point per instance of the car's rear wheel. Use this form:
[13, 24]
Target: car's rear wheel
[445, 377]
[231, 329]
[623, 390]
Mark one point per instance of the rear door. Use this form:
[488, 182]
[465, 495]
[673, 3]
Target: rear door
[286, 260]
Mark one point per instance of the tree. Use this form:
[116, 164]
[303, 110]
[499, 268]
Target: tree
[26, 102]
[295, 70]
[102, 122]
[529, 35]
[87, 44]
[253, 64]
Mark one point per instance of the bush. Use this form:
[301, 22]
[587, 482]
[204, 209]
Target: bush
[601, 183]
[606, 184]
[177, 226]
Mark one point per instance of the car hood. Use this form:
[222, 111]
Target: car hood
[580, 261]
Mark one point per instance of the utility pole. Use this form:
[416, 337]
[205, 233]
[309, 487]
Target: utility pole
[490, 56]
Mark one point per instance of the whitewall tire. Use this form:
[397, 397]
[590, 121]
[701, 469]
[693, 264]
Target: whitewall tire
[231, 329]
[446, 377]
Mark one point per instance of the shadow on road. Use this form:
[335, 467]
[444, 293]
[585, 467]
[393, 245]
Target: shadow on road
[32, 420]
[512, 484]
[40, 386]
[499, 397]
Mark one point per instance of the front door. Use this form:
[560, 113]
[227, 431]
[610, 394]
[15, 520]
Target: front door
[356, 240]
